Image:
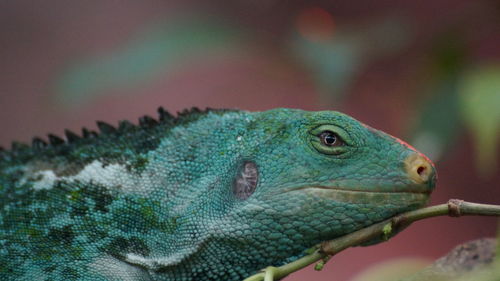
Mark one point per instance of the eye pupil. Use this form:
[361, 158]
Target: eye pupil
[330, 139]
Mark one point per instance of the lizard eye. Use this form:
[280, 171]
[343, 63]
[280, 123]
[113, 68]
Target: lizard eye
[330, 139]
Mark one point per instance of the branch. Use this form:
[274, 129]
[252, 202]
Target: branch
[382, 230]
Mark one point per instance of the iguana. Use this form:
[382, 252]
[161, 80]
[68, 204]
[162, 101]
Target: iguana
[206, 195]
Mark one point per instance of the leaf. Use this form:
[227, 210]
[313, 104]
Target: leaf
[439, 122]
[156, 50]
[480, 109]
[333, 63]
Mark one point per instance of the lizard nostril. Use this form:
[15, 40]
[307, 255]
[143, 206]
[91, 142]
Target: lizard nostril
[419, 168]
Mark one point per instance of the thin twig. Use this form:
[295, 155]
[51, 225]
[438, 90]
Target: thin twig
[382, 230]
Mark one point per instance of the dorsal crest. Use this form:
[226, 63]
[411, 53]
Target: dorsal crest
[164, 119]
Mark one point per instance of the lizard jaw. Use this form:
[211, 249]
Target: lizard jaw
[354, 196]
[413, 196]
[374, 190]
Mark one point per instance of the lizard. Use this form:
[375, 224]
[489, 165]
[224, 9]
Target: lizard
[204, 195]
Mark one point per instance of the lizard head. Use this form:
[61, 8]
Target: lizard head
[319, 175]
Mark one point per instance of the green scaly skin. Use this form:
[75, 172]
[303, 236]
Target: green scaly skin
[165, 201]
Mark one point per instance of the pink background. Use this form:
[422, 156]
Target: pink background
[40, 42]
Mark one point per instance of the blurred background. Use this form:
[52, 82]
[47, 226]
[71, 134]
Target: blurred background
[426, 71]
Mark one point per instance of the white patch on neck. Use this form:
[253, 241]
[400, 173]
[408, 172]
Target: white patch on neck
[47, 180]
[114, 269]
[155, 263]
[111, 176]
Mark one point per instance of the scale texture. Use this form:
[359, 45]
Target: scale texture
[206, 195]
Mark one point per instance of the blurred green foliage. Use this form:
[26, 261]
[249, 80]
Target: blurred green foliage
[480, 110]
[456, 95]
[335, 62]
[156, 50]
[461, 97]
[439, 122]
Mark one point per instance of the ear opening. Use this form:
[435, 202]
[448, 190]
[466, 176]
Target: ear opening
[246, 180]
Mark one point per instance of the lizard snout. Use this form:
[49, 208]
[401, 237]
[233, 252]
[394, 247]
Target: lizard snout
[420, 169]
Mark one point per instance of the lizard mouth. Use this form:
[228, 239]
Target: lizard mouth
[415, 190]
[417, 195]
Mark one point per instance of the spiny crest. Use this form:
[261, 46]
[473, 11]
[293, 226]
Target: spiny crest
[125, 125]
[105, 128]
[147, 121]
[38, 143]
[70, 136]
[16, 149]
[165, 116]
[165, 119]
[18, 146]
[55, 140]
[87, 134]
[3, 153]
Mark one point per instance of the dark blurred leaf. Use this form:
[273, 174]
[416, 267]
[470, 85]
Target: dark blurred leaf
[439, 120]
[334, 62]
[449, 53]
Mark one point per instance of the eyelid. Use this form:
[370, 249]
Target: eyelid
[341, 132]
